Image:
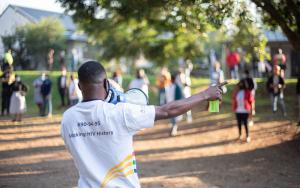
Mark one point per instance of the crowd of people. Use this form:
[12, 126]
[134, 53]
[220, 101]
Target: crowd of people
[13, 90]
[260, 67]
[171, 87]
[243, 99]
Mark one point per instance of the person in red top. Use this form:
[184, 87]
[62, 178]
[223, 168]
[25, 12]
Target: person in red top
[232, 61]
[280, 60]
[242, 106]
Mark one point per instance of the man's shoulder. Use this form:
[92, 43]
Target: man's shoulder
[69, 113]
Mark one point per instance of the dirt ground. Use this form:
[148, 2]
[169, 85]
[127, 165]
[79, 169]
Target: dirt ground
[206, 153]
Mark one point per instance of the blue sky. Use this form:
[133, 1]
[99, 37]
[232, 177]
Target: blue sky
[50, 5]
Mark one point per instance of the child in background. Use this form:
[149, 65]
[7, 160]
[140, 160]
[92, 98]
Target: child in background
[276, 86]
[173, 93]
[242, 106]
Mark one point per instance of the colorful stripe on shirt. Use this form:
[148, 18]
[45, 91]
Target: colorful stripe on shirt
[121, 169]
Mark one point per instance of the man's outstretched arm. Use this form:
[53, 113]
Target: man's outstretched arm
[179, 107]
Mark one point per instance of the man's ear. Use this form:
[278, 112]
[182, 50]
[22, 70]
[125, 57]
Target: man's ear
[106, 85]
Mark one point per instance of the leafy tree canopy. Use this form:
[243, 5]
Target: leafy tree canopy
[162, 30]
[171, 28]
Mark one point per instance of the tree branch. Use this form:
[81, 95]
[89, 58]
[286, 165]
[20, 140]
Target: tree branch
[293, 36]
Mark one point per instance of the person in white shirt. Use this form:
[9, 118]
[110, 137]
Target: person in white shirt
[141, 82]
[99, 135]
[173, 93]
[75, 95]
[38, 98]
[184, 82]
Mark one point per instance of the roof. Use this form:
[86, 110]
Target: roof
[275, 36]
[67, 21]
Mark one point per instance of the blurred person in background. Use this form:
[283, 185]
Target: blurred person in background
[18, 100]
[163, 80]
[242, 106]
[50, 59]
[173, 93]
[74, 59]
[184, 82]
[46, 89]
[251, 85]
[62, 87]
[38, 98]
[280, 60]
[62, 63]
[117, 77]
[217, 76]
[232, 61]
[275, 86]
[6, 79]
[141, 81]
[8, 60]
[187, 92]
[75, 95]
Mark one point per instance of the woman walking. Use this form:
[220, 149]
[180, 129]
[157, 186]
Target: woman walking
[17, 100]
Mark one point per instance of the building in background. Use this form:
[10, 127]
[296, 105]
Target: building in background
[14, 16]
[278, 40]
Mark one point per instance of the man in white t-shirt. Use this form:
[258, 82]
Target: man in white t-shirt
[99, 134]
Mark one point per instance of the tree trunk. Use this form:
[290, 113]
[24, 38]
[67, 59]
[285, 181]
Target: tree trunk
[293, 35]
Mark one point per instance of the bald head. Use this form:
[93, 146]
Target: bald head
[91, 72]
[92, 81]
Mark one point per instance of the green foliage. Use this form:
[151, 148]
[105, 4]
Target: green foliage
[161, 30]
[284, 14]
[43, 35]
[129, 27]
[251, 39]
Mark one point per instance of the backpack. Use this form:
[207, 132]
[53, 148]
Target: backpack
[46, 87]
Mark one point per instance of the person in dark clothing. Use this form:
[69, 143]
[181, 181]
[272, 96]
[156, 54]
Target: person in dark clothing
[298, 95]
[17, 100]
[6, 79]
[275, 86]
[46, 88]
[62, 87]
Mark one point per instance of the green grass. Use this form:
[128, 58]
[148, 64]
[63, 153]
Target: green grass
[263, 104]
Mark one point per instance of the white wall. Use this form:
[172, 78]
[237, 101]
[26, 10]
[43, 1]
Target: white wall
[9, 21]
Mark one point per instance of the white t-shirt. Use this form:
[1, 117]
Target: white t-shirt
[240, 98]
[99, 137]
[141, 84]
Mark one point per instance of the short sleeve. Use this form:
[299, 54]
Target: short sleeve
[137, 117]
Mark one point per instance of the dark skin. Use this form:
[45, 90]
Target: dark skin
[97, 91]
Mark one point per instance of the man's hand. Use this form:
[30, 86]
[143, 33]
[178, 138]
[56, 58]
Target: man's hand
[179, 107]
[213, 93]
